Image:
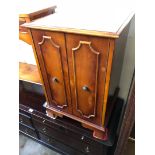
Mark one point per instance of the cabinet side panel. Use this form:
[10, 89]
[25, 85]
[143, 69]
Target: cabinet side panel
[39, 67]
[107, 80]
[118, 57]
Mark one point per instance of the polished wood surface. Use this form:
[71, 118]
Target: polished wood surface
[87, 60]
[76, 73]
[27, 13]
[53, 67]
[76, 63]
[75, 66]
[107, 79]
[24, 36]
[28, 72]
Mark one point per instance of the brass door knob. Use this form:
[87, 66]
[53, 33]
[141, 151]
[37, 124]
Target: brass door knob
[85, 88]
[54, 79]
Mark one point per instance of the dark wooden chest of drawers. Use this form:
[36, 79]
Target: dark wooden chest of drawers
[64, 135]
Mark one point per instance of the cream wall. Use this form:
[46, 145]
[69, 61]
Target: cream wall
[128, 62]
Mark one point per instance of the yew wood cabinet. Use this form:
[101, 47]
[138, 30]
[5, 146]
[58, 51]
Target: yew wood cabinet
[76, 66]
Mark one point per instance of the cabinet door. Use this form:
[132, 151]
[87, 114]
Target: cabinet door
[51, 54]
[87, 58]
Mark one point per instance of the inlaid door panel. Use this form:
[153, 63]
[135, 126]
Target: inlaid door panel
[51, 51]
[87, 59]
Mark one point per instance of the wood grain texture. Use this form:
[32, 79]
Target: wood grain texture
[52, 57]
[29, 73]
[86, 88]
[53, 63]
[75, 61]
[50, 110]
[107, 80]
[29, 14]
[89, 70]
[24, 36]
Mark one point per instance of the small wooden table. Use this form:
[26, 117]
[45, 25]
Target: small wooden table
[29, 11]
[32, 10]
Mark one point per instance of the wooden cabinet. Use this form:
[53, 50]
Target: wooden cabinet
[76, 66]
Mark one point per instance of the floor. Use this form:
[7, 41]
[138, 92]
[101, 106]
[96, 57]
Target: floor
[29, 147]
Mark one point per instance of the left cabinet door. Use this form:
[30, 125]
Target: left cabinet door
[51, 54]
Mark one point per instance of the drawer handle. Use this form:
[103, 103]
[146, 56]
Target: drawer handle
[44, 130]
[44, 121]
[47, 37]
[26, 131]
[82, 138]
[30, 110]
[87, 149]
[54, 79]
[21, 121]
[85, 88]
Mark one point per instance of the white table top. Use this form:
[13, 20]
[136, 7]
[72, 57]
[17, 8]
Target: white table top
[28, 7]
[99, 15]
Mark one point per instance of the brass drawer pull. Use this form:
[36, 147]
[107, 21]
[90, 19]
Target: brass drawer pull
[47, 37]
[87, 149]
[44, 121]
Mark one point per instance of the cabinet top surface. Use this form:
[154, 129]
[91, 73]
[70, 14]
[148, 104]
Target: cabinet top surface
[27, 7]
[100, 18]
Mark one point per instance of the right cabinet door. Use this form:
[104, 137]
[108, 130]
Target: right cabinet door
[87, 60]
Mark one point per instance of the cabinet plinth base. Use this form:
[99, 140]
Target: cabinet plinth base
[52, 114]
[98, 131]
[102, 135]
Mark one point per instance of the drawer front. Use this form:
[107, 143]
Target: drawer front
[24, 119]
[87, 58]
[65, 136]
[41, 123]
[60, 146]
[51, 53]
[27, 130]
